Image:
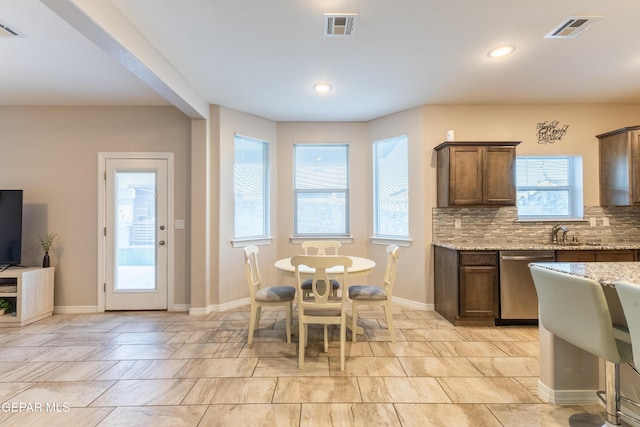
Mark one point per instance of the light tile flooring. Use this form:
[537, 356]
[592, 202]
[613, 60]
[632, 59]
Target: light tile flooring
[171, 369]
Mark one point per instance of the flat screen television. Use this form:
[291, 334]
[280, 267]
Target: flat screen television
[10, 227]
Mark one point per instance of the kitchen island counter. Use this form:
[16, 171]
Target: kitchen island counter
[569, 375]
[481, 245]
[607, 273]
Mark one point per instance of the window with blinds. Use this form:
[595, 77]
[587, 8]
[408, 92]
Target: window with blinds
[250, 187]
[391, 187]
[321, 187]
[549, 187]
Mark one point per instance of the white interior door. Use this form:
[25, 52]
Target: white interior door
[136, 231]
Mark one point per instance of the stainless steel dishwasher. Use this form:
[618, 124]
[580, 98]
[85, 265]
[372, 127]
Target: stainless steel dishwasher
[518, 297]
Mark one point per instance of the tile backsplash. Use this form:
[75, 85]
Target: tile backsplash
[501, 224]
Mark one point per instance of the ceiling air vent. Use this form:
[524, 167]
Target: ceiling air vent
[571, 27]
[339, 24]
[6, 31]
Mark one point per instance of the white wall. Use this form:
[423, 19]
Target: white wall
[518, 123]
[411, 279]
[52, 154]
[355, 134]
[229, 281]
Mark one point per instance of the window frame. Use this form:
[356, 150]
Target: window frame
[376, 190]
[574, 188]
[345, 191]
[265, 237]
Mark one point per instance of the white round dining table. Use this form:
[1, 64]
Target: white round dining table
[360, 266]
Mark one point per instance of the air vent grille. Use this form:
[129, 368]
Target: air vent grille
[572, 26]
[6, 31]
[339, 24]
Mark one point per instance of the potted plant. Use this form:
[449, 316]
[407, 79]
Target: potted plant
[4, 305]
[46, 243]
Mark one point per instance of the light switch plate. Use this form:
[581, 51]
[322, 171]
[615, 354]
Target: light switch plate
[605, 221]
[179, 224]
[592, 222]
[457, 223]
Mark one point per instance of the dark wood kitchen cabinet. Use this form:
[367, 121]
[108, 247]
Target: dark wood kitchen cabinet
[620, 167]
[466, 286]
[476, 173]
[601, 255]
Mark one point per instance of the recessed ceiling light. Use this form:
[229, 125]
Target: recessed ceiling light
[501, 51]
[322, 87]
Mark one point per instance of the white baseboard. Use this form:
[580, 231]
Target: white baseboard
[219, 307]
[413, 304]
[91, 309]
[86, 309]
[181, 308]
[567, 397]
[75, 309]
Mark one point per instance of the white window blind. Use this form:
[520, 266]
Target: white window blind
[549, 187]
[391, 187]
[321, 175]
[250, 185]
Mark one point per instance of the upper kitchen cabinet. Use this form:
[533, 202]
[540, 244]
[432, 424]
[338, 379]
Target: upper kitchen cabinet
[620, 167]
[476, 173]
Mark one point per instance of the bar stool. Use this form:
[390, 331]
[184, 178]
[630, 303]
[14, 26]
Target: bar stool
[575, 309]
[629, 294]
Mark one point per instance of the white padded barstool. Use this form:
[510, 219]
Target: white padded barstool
[575, 309]
[629, 294]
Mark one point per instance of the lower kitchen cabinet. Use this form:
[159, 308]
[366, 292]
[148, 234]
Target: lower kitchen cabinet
[467, 282]
[466, 286]
[601, 255]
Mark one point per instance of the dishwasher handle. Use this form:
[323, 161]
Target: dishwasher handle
[527, 258]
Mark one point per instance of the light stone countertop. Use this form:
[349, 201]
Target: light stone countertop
[607, 273]
[469, 245]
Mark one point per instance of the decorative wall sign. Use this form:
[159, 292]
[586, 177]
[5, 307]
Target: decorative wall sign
[549, 132]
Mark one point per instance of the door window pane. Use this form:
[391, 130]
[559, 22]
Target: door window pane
[135, 231]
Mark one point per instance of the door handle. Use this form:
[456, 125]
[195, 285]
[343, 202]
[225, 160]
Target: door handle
[161, 242]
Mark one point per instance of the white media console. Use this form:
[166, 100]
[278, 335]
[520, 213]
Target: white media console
[31, 290]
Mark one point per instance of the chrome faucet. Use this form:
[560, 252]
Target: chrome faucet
[554, 233]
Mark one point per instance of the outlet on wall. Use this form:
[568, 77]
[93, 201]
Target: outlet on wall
[457, 223]
[605, 221]
[592, 222]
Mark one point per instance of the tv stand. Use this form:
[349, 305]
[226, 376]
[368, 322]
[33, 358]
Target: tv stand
[8, 266]
[31, 292]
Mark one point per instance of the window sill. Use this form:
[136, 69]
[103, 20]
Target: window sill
[398, 241]
[258, 241]
[341, 238]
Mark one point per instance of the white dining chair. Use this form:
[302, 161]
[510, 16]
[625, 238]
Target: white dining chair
[375, 295]
[575, 309]
[321, 307]
[320, 247]
[265, 296]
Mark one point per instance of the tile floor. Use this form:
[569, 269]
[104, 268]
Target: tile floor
[171, 369]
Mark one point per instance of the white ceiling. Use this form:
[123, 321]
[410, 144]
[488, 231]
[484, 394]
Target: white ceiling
[263, 56]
